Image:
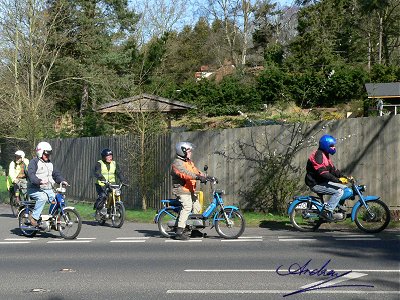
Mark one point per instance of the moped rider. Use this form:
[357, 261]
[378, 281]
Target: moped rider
[41, 177]
[16, 178]
[108, 170]
[184, 175]
[322, 176]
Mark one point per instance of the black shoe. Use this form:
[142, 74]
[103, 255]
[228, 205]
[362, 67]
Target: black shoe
[180, 235]
[327, 215]
[196, 233]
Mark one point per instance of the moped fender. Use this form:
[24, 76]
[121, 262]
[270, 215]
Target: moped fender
[234, 208]
[303, 199]
[355, 207]
[161, 210]
[69, 207]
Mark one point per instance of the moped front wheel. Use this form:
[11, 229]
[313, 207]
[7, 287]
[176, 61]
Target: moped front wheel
[305, 217]
[69, 224]
[25, 225]
[232, 226]
[167, 223]
[374, 220]
[14, 206]
[117, 215]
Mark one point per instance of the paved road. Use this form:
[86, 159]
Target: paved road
[134, 262]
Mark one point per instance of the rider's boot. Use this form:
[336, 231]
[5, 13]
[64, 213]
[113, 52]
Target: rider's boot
[327, 215]
[180, 235]
[33, 221]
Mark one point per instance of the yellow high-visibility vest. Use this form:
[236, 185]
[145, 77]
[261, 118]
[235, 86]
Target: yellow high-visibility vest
[109, 175]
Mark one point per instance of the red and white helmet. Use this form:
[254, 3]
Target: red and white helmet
[43, 147]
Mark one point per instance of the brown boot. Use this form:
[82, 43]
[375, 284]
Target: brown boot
[33, 221]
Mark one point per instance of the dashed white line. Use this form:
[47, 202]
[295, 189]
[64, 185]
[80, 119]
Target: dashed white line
[243, 240]
[128, 241]
[184, 241]
[133, 238]
[15, 242]
[69, 241]
[297, 240]
[21, 239]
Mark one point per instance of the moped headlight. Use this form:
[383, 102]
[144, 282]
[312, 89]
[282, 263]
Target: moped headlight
[117, 192]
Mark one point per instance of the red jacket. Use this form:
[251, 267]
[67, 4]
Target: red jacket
[320, 169]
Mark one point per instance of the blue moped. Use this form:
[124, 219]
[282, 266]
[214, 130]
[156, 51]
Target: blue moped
[369, 213]
[227, 220]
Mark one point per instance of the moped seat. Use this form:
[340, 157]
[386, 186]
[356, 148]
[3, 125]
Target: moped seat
[196, 216]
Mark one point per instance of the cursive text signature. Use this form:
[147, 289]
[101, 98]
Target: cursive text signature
[297, 269]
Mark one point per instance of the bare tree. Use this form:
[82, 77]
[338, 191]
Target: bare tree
[159, 17]
[25, 66]
[236, 17]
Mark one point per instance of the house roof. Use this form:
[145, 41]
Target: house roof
[144, 103]
[383, 90]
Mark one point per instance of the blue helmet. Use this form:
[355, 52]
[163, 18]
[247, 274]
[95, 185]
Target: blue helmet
[326, 142]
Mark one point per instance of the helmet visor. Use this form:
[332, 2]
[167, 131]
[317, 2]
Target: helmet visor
[47, 152]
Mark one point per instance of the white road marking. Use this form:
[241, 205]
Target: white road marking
[243, 240]
[68, 241]
[298, 240]
[15, 242]
[350, 276]
[133, 238]
[21, 239]
[183, 241]
[81, 238]
[278, 292]
[250, 237]
[128, 241]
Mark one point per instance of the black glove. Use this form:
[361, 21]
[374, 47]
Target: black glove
[201, 178]
[212, 178]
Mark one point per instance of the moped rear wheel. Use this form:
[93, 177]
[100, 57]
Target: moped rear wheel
[375, 221]
[117, 216]
[69, 224]
[305, 217]
[25, 225]
[232, 227]
[165, 220]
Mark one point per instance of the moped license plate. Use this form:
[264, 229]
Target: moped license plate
[302, 205]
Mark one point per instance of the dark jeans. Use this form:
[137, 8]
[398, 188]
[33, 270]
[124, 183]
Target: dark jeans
[101, 196]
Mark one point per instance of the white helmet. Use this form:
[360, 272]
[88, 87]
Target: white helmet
[43, 147]
[182, 147]
[20, 153]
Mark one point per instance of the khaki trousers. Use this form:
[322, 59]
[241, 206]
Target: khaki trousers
[189, 203]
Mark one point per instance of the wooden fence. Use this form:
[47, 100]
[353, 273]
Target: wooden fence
[368, 149]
